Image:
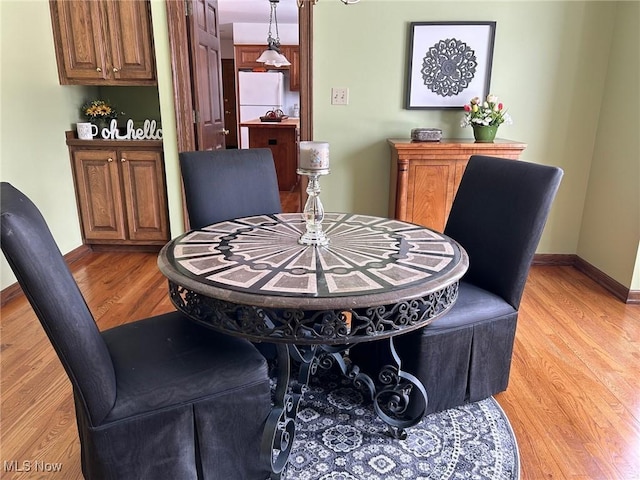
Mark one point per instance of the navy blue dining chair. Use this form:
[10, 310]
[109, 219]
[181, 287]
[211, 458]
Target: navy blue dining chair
[156, 398]
[224, 184]
[498, 215]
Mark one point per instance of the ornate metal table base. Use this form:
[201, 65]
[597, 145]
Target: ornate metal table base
[320, 339]
[390, 401]
[279, 430]
[318, 327]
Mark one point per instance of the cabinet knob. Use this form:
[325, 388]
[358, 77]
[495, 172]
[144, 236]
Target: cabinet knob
[115, 70]
[109, 159]
[98, 69]
[225, 131]
[123, 160]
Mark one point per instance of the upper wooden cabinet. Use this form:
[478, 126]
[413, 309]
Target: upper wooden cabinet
[292, 52]
[425, 176]
[103, 42]
[246, 55]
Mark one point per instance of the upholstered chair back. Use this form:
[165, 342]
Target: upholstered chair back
[224, 184]
[498, 216]
[56, 299]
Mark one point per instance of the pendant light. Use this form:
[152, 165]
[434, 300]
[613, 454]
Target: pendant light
[272, 55]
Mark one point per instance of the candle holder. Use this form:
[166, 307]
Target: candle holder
[313, 162]
[313, 212]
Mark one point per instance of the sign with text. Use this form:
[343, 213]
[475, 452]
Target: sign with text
[149, 131]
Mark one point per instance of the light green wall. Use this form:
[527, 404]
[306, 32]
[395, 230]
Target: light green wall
[35, 111]
[611, 220]
[167, 111]
[541, 74]
[550, 61]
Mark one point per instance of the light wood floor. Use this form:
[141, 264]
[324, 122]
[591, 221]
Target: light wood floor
[573, 398]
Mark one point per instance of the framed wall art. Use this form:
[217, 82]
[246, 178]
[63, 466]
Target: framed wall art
[449, 63]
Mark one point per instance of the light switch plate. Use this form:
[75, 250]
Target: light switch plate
[339, 96]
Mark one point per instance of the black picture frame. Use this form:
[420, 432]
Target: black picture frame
[449, 63]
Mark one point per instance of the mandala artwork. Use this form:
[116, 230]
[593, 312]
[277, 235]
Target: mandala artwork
[448, 67]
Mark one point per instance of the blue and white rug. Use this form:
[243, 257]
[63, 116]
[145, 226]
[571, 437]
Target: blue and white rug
[339, 437]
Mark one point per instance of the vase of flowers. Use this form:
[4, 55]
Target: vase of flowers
[485, 117]
[99, 112]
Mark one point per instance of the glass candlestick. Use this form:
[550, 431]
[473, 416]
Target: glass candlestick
[313, 212]
[313, 162]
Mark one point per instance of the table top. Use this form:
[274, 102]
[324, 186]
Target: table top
[258, 261]
[408, 143]
[285, 123]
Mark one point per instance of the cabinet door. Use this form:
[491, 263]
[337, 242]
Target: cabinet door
[246, 56]
[430, 193]
[99, 194]
[131, 41]
[284, 147]
[293, 55]
[78, 37]
[144, 194]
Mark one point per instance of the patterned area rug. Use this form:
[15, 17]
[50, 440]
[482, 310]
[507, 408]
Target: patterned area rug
[339, 437]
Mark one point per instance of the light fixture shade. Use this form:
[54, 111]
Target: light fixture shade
[272, 57]
[282, 61]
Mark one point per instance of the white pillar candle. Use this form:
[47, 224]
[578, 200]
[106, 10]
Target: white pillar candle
[314, 156]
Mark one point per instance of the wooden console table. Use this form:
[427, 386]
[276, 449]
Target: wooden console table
[425, 175]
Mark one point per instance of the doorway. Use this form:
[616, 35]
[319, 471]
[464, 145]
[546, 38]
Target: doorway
[182, 82]
[229, 102]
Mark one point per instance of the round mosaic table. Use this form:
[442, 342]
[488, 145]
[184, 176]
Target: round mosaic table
[377, 278]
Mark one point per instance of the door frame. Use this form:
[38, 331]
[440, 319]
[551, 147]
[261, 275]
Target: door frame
[181, 72]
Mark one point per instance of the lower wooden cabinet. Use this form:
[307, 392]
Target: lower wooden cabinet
[424, 176]
[282, 139]
[120, 190]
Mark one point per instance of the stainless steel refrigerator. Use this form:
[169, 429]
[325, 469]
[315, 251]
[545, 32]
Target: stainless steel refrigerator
[258, 92]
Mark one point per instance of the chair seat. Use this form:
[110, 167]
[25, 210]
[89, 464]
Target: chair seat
[169, 360]
[474, 306]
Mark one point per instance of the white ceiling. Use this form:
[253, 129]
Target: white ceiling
[256, 11]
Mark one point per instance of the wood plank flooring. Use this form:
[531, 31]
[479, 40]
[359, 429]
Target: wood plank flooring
[573, 398]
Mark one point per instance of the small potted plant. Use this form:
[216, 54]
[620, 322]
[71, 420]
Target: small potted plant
[99, 112]
[485, 117]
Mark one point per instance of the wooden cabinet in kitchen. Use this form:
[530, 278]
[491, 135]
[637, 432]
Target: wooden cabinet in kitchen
[292, 52]
[282, 139]
[424, 176]
[120, 191]
[103, 42]
[246, 55]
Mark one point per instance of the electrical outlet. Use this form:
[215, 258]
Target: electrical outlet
[339, 96]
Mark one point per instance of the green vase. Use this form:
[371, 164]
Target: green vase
[484, 133]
